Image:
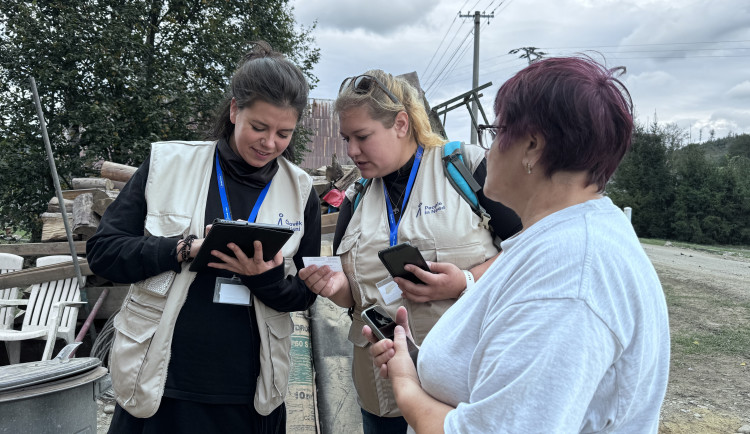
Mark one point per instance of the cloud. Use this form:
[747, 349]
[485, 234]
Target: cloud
[740, 91]
[736, 120]
[382, 17]
[680, 59]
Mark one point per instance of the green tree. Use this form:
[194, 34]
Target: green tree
[699, 197]
[644, 182]
[115, 76]
[739, 145]
[737, 200]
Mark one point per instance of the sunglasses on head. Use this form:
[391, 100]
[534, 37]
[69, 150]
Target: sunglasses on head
[363, 84]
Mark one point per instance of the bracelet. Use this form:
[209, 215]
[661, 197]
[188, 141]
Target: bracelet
[185, 248]
[469, 282]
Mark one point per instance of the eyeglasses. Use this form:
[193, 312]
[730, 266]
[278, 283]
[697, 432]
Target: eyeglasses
[487, 134]
[362, 84]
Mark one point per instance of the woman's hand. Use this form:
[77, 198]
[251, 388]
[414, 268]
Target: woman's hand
[445, 281]
[241, 264]
[384, 350]
[330, 284]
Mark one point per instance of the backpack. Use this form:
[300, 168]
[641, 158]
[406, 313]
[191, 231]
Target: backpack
[459, 177]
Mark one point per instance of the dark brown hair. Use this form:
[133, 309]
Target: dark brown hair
[263, 75]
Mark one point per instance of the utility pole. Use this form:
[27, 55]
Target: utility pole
[475, 79]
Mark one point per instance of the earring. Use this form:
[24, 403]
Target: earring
[528, 168]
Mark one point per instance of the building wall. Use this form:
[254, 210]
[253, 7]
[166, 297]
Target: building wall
[327, 140]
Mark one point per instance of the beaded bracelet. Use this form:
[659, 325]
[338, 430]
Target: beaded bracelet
[185, 248]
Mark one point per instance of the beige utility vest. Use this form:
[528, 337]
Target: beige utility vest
[441, 225]
[176, 192]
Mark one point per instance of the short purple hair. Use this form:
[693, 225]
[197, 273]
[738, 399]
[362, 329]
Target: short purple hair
[582, 110]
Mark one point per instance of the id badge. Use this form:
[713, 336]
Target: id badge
[232, 291]
[389, 290]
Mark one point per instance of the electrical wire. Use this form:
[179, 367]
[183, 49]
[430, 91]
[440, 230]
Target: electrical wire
[434, 80]
[429, 76]
[424, 72]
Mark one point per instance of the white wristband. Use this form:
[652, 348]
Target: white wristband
[469, 282]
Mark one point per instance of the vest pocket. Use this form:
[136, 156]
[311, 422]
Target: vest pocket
[279, 328]
[167, 225]
[463, 256]
[135, 326]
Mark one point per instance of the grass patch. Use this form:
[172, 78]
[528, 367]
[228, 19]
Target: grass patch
[739, 251]
[726, 340]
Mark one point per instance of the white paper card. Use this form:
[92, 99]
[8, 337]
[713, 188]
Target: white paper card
[389, 290]
[334, 262]
[232, 293]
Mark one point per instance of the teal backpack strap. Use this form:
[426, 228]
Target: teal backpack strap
[360, 188]
[462, 180]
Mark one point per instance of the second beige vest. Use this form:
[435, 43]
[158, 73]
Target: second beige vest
[441, 225]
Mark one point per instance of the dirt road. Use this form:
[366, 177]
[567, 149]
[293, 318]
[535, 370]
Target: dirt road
[730, 273]
[709, 308]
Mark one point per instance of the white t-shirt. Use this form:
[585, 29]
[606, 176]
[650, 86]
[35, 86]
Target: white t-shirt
[566, 332]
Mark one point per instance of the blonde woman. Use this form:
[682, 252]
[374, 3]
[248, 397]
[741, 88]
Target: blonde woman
[408, 199]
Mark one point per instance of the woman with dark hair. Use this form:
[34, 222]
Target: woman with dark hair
[182, 360]
[567, 331]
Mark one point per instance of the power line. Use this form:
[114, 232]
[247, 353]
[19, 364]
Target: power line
[439, 82]
[645, 45]
[430, 76]
[443, 40]
[451, 58]
[435, 67]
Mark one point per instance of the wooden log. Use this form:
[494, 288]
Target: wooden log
[102, 200]
[321, 187]
[53, 206]
[72, 194]
[117, 172]
[53, 228]
[349, 177]
[85, 183]
[85, 221]
[43, 249]
[334, 172]
[46, 273]
[119, 184]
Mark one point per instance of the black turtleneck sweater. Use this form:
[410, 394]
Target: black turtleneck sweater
[504, 221]
[215, 346]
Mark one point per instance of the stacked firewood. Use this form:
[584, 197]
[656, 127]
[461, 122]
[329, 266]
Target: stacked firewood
[85, 203]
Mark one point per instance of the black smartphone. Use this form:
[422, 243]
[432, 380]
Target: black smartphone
[383, 327]
[394, 258]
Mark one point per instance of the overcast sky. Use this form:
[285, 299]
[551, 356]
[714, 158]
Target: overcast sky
[688, 62]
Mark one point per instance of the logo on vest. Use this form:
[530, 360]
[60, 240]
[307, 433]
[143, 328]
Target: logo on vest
[295, 226]
[432, 209]
[419, 209]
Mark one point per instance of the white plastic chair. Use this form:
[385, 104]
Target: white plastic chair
[51, 313]
[8, 262]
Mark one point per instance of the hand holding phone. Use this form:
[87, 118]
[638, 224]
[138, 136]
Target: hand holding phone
[383, 326]
[394, 258]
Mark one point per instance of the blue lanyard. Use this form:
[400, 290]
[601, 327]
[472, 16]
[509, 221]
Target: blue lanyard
[225, 201]
[392, 223]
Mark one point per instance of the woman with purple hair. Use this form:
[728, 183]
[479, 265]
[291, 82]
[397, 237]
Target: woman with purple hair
[567, 331]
